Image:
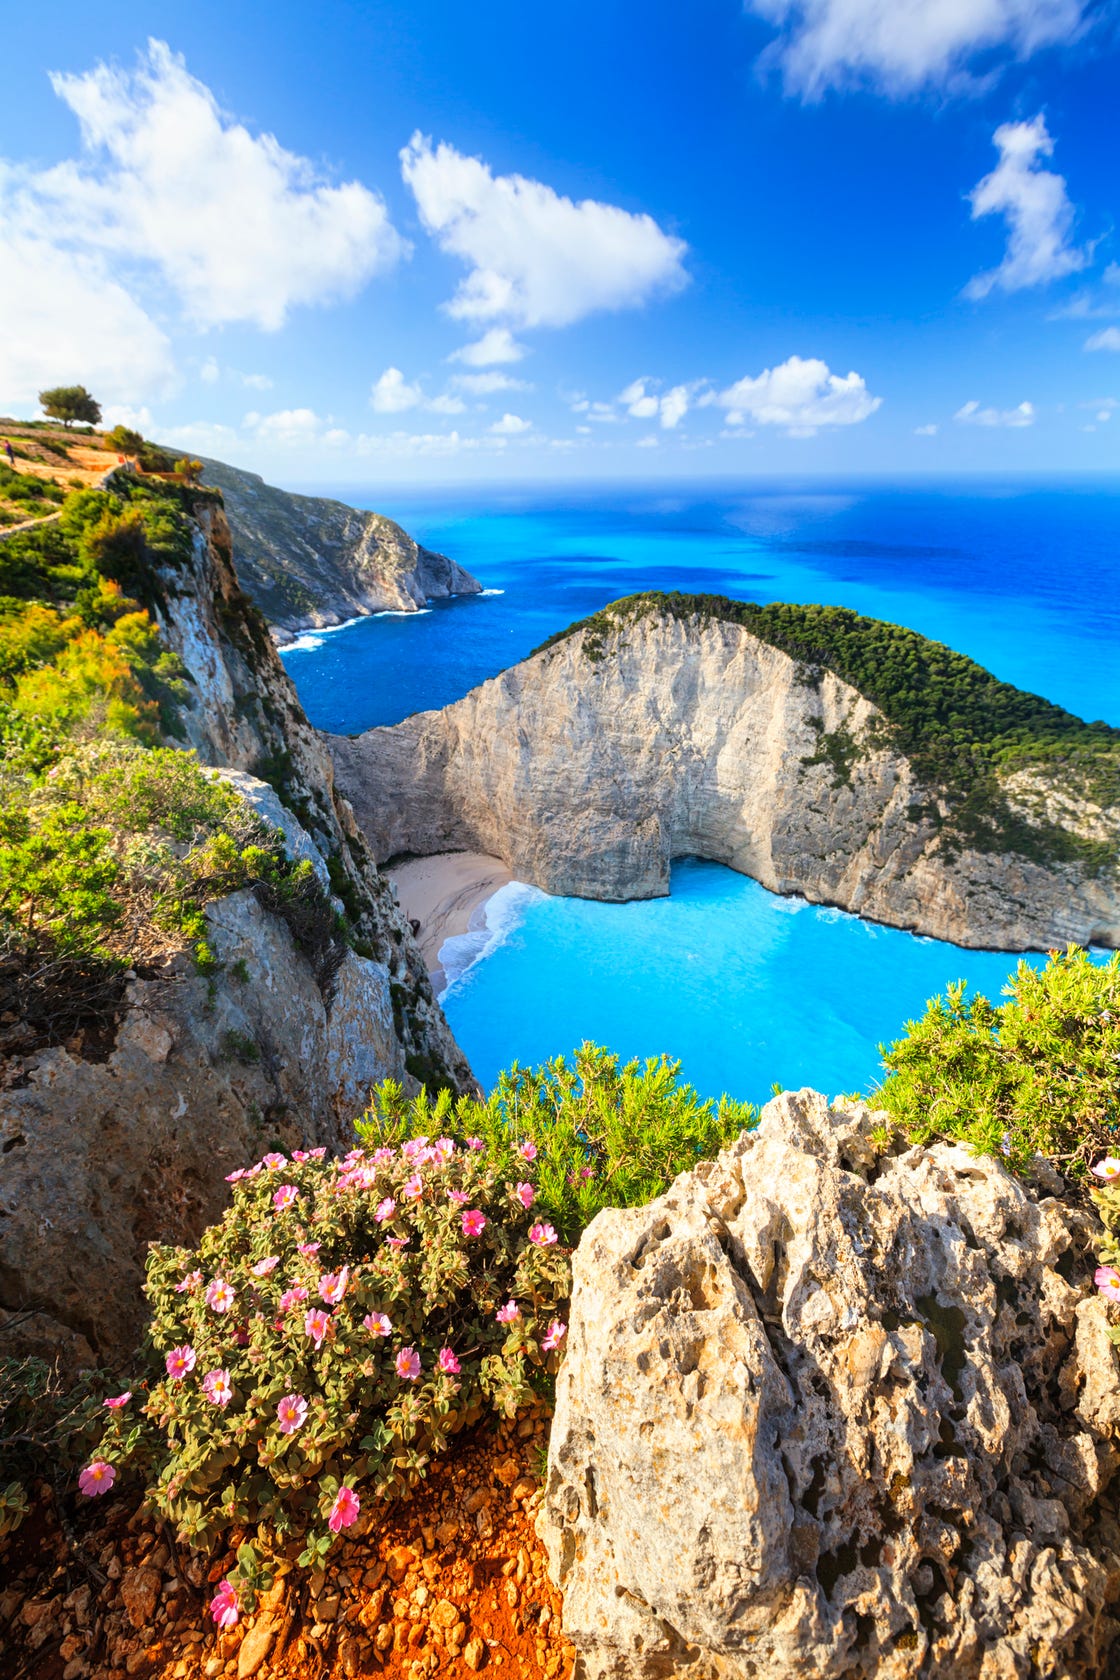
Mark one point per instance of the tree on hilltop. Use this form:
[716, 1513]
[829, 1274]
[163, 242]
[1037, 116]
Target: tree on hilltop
[69, 403]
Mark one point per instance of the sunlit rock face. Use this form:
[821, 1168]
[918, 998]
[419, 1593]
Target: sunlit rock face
[591, 765]
[831, 1413]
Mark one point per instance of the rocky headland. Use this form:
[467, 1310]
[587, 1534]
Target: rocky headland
[310, 562]
[848, 761]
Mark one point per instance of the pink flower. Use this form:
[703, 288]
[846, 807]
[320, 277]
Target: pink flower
[474, 1223]
[274, 1160]
[263, 1267]
[543, 1235]
[385, 1210]
[448, 1362]
[316, 1154]
[284, 1197]
[525, 1195]
[219, 1295]
[308, 1250]
[556, 1334]
[408, 1364]
[180, 1362]
[119, 1401]
[217, 1388]
[475, 1143]
[528, 1150]
[191, 1281]
[291, 1413]
[397, 1242]
[378, 1324]
[508, 1313]
[1108, 1169]
[458, 1197]
[292, 1297]
[381, 1157]
[235, 1177]
[316, 1325]
[413, 1187]
[97, 1477]
[332, 1285]
[344, 1511]
[1107, 1280]
[299, 1154]
[413, 1147]
[225, 1606]
[443, 1149]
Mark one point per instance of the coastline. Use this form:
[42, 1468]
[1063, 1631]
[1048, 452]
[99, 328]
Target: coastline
[444, 894]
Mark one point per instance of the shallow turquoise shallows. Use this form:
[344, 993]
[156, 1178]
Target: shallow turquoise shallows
[745, 989]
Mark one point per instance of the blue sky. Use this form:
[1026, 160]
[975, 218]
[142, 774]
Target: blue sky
[429, 242]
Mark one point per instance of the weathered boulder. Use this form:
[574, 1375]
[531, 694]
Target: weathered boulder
[827, 1412]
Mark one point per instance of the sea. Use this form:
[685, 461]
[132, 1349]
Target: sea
[749, 991]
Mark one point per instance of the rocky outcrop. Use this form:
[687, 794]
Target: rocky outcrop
[308, 561]
[591, 766]
[108, 1146]
[206, 1073]
[830, 1412]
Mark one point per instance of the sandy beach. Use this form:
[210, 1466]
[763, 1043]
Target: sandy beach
[442, 893]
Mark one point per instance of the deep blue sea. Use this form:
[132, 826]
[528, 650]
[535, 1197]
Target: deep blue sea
[746, 989]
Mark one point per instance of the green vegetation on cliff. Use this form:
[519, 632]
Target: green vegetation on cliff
[959, 726]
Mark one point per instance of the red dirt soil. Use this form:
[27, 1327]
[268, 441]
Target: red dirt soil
[447, 1583]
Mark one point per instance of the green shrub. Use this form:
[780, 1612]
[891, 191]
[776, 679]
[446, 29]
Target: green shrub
[47, 1426]
[1036, 1076]
[334, 1329]
[604, 1136]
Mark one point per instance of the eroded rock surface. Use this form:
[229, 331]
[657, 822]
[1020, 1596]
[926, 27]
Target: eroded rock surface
[592, 765]
[310, 561]
[831, 1414]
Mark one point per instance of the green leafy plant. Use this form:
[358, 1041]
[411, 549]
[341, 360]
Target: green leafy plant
[48, 1424]
[1038, 1075]
[602, 1135]
[69, 403]
[333, 1330]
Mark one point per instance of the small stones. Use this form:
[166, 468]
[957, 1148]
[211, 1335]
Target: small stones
[140, 1590]
[475, 1653]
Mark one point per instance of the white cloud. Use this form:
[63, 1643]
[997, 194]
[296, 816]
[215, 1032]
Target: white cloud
[392, 394]
[486, 384]
[899, 46]
[209, 372]
[511, 425]
[121, 414]
[447, 404]
[496, 345]
[651, 441]
[292, 426]
[1037, 209]
[1107, 339]
[256, 381]
[65, 320]
[973, 415]
[926, 431]
[535, 257]
[641, 403]
[800, 395]
[239, 228]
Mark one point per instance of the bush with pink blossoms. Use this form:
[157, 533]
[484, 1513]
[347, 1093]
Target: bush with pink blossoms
[290, 1394]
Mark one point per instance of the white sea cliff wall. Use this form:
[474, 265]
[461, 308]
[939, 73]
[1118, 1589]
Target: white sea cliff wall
[594, 763]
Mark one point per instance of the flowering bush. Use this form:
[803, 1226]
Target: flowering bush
[332, 1331]
[578, 1135]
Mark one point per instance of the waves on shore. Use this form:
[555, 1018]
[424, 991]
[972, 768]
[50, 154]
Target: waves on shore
[492, 925]
[308, 640]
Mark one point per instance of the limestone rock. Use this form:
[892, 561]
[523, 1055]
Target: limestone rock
[826, 1413]
[309, 561]
[140, 1594]
[266, 802]
[593, 764]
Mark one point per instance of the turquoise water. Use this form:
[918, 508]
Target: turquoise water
[746, 989]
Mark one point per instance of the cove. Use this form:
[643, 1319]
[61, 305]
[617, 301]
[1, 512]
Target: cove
[745, 988]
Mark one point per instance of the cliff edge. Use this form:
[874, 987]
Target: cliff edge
[309, 562]
[850, 762]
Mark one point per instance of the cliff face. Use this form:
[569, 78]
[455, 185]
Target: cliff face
[308, 561]
[593, 764]
[107, 1147]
